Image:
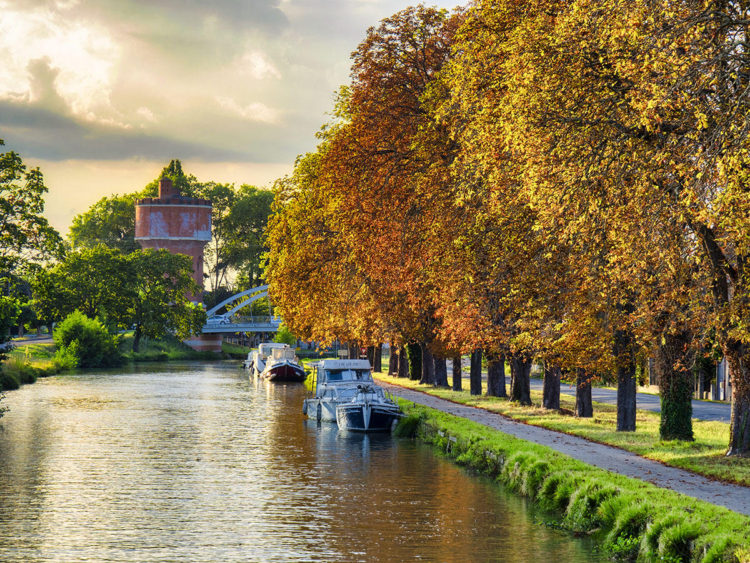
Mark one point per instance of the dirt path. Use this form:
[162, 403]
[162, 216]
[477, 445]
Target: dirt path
[733, 497]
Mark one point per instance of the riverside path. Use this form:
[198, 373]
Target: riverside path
[733, 497]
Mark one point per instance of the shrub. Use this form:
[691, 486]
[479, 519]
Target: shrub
[88, 341]
[8, 381]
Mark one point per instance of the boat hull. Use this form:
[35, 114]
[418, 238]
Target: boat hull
[285, 372]
[367, 418]
[322, 410]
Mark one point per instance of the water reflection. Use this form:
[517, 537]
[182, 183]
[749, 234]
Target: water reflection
[196, 462]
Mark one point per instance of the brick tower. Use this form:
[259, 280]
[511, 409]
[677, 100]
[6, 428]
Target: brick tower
[181, 225]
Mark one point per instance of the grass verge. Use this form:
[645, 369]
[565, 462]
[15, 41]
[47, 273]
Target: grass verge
[164, 349]
[28, 362]
[704, 456]
[634, 520]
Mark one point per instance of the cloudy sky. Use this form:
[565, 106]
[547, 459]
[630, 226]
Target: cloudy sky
[101, 94]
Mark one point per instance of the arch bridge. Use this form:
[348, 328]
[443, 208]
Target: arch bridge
[230, 321]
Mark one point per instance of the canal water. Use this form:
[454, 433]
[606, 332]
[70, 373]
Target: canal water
[195, 462]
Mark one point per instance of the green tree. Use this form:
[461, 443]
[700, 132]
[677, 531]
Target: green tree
[110, 221]
[246, 228]
[285, 336]
[96, 281]
[10, 309]
[161, 289]
[25, 235]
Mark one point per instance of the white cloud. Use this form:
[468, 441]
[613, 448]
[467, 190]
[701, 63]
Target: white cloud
[146, 114]
[257, 65]
[81, 56]
[255, 111]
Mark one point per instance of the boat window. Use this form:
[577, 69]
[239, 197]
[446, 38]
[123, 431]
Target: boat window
[342, 375]
[348, 375]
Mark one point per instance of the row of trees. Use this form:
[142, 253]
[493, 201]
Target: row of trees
[561, 181]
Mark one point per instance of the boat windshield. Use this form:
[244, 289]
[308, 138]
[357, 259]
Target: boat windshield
[348, 375]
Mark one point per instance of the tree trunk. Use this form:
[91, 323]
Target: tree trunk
[475, 373]
[393, 361]
[378, 364]
[137, 338]
[403, 363]
[371, 356]
[675, 387]
[353, 348]
[584, 405]
[520, 383]
[496, 376]
[428, 365]
[551, 388]
[441, 372]
[738, 364]
[414, 354]
[457, 384]
[626, 383]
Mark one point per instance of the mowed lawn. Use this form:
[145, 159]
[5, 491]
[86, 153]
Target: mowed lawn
[705, 455]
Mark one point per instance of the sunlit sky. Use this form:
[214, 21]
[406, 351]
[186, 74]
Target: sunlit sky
[101, 94]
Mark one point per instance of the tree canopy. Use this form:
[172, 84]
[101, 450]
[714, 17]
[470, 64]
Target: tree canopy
[564, 181]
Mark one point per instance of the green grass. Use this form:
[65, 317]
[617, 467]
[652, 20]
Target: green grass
[164, 349]
[704, 456]
[632, 519]
[28, 362]
[235, 351]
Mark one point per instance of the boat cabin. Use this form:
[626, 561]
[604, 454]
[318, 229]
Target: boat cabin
[343, 371]
[283, 354]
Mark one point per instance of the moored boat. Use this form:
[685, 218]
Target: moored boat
[345, 393]
[371, 410]
[257, 360]
[283, 365]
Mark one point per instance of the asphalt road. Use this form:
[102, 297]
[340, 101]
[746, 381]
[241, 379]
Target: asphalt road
[702, 410]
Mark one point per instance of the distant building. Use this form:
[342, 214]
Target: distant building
[175, 222]
[181, 225]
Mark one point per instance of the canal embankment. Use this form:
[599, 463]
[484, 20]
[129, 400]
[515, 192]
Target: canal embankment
[640, 509]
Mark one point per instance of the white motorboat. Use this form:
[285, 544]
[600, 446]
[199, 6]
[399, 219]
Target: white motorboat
[345, 393]
[256, 359]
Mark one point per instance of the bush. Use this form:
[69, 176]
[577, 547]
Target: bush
[87, 341]
[8, 381]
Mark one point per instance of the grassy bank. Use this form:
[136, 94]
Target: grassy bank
[30, 361]
[27, 363]
[704, 456]
[634, 520]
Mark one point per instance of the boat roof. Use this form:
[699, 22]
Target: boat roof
[344, 364]
[265, 347]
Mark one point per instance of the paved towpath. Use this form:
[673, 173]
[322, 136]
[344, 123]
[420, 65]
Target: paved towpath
[733, 497]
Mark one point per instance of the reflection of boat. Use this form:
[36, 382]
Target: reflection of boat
[275, 361]
[346, 393]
